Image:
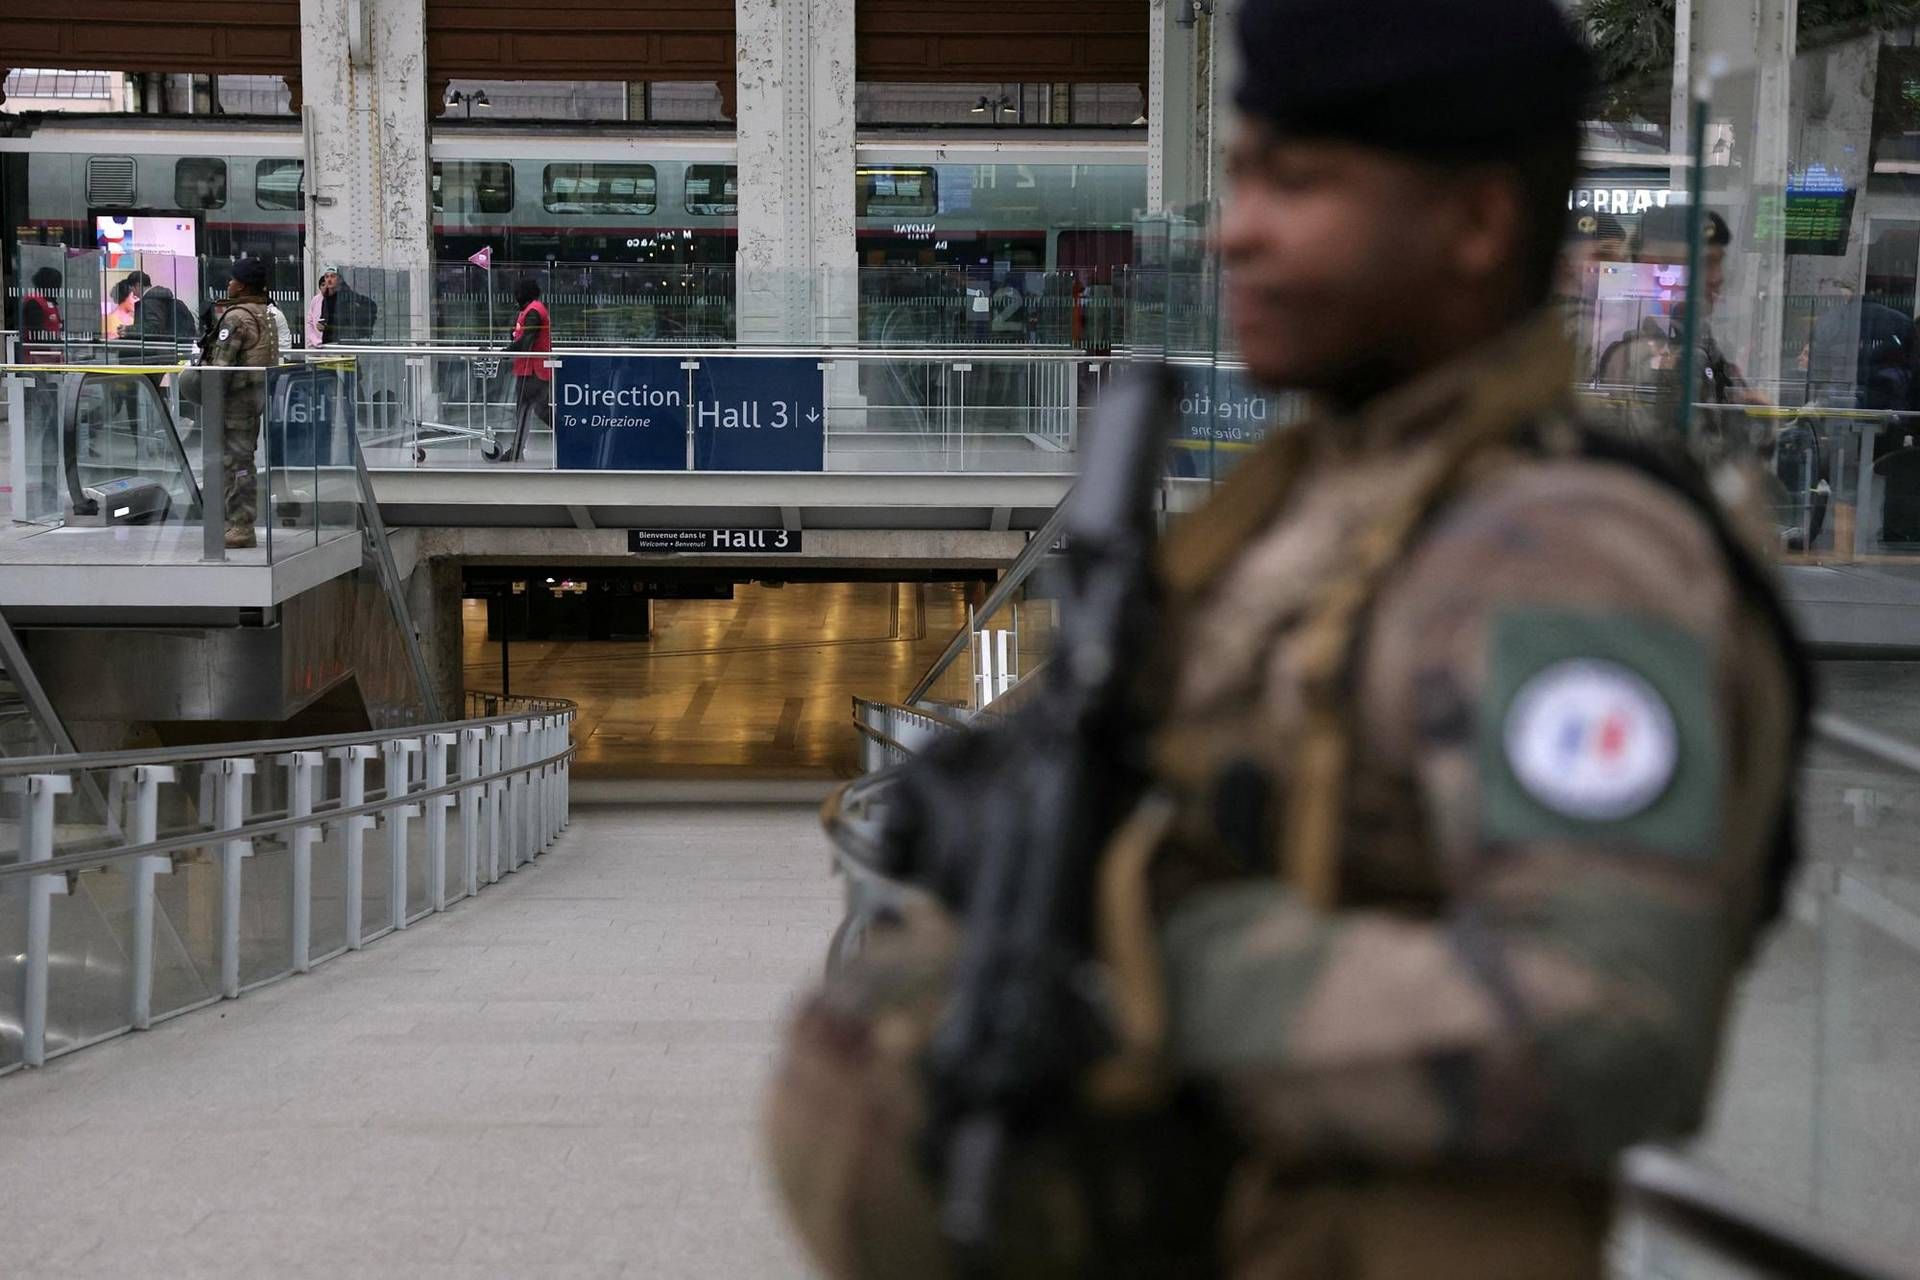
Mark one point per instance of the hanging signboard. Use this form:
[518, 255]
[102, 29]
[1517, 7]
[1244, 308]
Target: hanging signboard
[712, 541]
[620, 413]
[663, 413]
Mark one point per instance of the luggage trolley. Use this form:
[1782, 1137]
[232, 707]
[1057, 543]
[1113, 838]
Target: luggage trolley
[478, 429]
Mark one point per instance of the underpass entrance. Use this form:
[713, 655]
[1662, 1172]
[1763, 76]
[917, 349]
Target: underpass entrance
[703, 674]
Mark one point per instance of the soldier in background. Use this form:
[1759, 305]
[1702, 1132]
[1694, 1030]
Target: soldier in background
[1470, 793]
[243, 334]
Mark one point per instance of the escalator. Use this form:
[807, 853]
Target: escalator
[125, 462]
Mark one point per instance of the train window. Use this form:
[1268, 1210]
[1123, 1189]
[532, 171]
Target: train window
[713, 189]
[200, 182]
[472, 186]
[279, 184]
[599, 188]
[894, 192]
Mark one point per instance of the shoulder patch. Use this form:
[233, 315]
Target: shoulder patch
[1589, 738]
[1599, 727]
[225, 333]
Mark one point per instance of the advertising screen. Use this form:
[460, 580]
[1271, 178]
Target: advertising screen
[121, 236]
[161, 247]
[1622, 297]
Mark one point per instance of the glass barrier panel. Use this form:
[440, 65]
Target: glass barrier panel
[266, 906]
[328, 918]
[38, 467]
[89, 959]
[13, 970]
[186, 931]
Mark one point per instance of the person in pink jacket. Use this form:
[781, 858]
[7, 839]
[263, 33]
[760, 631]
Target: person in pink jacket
[321, 307]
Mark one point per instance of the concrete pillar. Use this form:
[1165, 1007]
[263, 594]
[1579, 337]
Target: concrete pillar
[1741, 54]
[1223, 75]
[365, 113]
[1176, 107]
[434, 600]
[796, 271]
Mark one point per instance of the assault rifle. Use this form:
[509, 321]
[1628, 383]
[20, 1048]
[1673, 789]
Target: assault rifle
[1008, 825]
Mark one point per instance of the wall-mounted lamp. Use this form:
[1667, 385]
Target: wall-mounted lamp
[477, 98]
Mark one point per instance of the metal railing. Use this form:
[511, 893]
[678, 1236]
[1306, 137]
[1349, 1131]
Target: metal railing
[264, 849]
[890, 733]
[1003, 593]
[980, 410]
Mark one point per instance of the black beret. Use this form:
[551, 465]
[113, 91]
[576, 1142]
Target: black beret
[1441, 78]
[251, 272]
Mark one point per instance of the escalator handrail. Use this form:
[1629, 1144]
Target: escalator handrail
[1015, 577]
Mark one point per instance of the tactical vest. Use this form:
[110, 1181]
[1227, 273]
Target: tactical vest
[1337, 627]
[1333, 637]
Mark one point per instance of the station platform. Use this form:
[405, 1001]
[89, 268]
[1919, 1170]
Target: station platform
[558, 1079]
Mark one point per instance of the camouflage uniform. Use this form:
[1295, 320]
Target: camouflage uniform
[243, 334]
[1431, 976]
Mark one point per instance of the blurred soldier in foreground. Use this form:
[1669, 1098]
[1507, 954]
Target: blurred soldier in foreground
[1465, 794]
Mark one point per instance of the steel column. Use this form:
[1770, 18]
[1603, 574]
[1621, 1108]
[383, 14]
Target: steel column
[397, 767]
[38, 793]
[353, 794]
[145, 829]
[437, 744]
[302, 768]
[233, 774]
[472, 746]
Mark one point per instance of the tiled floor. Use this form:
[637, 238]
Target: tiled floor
[558, 1078]
[758, 685]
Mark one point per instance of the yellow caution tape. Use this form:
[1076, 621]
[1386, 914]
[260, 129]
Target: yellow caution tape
[92, 368]
[168, 368]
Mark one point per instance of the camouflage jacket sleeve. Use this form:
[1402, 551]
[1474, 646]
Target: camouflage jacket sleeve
[1562, 688]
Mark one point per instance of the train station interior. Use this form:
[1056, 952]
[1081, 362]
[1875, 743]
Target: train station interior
[418, 829]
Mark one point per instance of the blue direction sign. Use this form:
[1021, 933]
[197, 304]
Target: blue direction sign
[759, 413]
[620, 413]
[1221, 411]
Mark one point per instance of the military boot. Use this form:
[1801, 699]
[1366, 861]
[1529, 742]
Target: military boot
[239, 539]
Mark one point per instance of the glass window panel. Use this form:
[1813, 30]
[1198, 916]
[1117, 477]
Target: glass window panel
[892, 191]
[598, 188]
[200, 182]
[279, 184]
[472, 186]
[713, 189]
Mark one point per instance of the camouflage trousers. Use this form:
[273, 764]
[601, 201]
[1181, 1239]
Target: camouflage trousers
[240, 443]
[1177, 1194]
